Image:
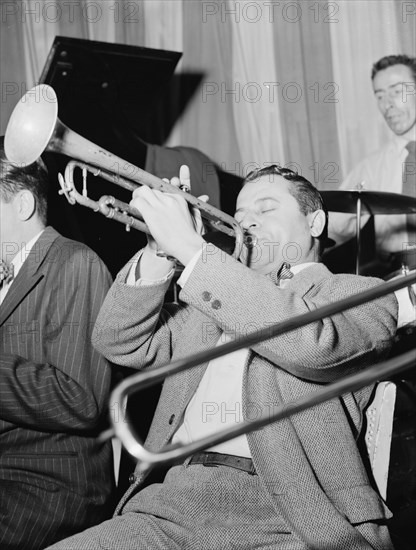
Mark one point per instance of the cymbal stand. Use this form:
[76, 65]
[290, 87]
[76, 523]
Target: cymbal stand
[360, 187]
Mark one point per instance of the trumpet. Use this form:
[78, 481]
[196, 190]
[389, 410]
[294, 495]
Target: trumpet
[34, 128]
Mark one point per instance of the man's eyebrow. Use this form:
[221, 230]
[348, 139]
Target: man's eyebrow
[263, 199]
[391, 86]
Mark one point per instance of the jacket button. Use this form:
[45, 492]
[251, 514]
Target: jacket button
[132, 479]
[216, 304]
[171, 419]
[206, 296]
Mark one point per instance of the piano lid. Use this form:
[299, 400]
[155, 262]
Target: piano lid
[108, 92]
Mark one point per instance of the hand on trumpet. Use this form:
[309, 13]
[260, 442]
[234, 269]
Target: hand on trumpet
[175, 227]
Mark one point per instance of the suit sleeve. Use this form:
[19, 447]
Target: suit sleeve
[129, 320]
[238, 299]
[62, 383]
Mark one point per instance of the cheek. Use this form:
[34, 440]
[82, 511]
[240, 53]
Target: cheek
[381, 106]
[406, 106]
[397, 100]
[299, 231]
[5, 226]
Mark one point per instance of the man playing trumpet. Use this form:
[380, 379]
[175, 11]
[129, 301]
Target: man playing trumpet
[296, 484]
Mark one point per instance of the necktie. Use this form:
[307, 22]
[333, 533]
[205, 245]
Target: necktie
[6, 272]
[409, 187]
[283, 273]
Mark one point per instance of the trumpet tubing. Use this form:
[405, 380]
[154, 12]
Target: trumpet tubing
[34, 127]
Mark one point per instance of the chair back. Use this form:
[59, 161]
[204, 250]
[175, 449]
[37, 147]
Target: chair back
[379, 414]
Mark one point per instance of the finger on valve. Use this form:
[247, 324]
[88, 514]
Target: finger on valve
[152, 244]
[183, 182]
[185, 178]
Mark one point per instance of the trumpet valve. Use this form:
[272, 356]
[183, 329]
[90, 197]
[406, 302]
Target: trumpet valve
[66, 189]
[106, 206]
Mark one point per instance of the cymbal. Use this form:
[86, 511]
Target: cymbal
[372, 202]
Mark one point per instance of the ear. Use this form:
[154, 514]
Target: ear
[316, 222]
[25, 205]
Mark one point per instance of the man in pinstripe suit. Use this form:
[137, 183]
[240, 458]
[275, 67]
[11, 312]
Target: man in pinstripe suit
[55, 479]
[299, 484]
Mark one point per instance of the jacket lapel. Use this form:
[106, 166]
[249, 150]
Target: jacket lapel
[303, 281]
[29, 275]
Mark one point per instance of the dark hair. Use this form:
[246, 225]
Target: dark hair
[391, 60]
[307, 195]
[15, 178]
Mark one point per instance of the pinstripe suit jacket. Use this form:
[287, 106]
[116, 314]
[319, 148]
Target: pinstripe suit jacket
[310, 464]
[55, 479]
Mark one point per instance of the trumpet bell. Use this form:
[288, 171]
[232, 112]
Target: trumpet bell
[31, 125]
[34, 127]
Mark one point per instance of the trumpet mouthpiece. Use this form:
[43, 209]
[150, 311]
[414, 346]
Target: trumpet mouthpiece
[250, 240]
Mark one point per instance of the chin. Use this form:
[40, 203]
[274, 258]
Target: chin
[400, 130]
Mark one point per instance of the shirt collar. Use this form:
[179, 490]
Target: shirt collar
[299, 267]
[282, 281]
[400, 142]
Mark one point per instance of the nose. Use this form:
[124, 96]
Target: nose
[387, 103]
[249, 222]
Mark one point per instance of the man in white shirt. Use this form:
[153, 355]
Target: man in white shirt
[299, 483]
[56, 478]
[390, 169]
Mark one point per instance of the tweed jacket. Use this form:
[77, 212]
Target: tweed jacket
[309, 464]
[55, 478]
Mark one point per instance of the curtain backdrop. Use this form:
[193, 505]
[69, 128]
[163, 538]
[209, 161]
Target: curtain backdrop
[283, 81]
